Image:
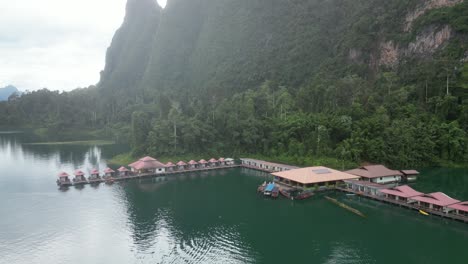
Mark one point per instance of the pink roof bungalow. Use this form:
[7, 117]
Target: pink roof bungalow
[192, 164]
[400, 193]
[222, 161]
[108, 172]
[63, 179]
[94, 175]
[202, 163]
[79, 177]
[170, 166]
[123, 171]
[459, 208]
[435, 201]
[213, 162]
[148, 165]
[181, 165]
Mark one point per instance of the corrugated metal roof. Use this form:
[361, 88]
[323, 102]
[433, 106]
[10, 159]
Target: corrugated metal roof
[309, 175]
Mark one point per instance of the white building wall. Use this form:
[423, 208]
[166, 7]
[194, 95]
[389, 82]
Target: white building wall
[387, 179]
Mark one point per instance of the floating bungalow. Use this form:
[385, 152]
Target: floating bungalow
[377, 174]
[229, 161]
[221, 161]
[170, 166]
[312, 178]
[94, 176]
[265, 165]
[79, 177]
[213, 162]
[400, 193]
[202, 163]
[460, 209]
[123, 172]
[410, 175]
[437, 201]
[181, 165]
[63, 179]
[192, 164]
[108, 172]
[147, 165]
[364, 187]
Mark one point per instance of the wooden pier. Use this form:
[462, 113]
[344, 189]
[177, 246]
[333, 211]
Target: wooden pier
[459, 218]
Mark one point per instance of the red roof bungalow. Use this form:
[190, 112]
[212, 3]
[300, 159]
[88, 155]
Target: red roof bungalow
[94, 175]
[377, 174]
[400, 193]
[435, 201]
[202, 163]
[108, 172]
[79, 177]
[181, 165]
[213, 162]
[123, 171]
[459, 208]
[63, 179]
[170, 166]
[192, 164]
[148, 165]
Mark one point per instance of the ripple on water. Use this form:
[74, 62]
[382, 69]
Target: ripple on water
[220, 245]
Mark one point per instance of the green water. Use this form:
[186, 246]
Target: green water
[207, 217]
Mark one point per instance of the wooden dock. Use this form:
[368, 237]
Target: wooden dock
[459, 218]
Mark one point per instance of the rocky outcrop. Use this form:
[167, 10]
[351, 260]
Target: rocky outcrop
[428, 42]
[389, 53]
[426, 6]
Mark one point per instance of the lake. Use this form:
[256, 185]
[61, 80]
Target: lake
[203, 217]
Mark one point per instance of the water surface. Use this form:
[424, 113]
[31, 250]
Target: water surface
[205, 217]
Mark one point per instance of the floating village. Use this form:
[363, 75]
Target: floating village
[375, 182]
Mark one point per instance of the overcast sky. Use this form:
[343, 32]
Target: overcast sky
[58, 44]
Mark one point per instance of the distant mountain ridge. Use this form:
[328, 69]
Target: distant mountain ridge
[6, 91]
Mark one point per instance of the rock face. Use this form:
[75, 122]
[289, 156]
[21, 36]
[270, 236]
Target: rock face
[128, 54]
[429, 41]
[426, 6]
[425, 45]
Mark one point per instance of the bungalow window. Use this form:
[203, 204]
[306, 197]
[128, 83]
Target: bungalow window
[380, 178]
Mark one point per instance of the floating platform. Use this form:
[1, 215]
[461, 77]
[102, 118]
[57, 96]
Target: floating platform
[417, 208]
[147, 175]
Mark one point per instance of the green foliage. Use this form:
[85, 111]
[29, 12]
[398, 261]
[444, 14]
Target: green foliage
[295, 81]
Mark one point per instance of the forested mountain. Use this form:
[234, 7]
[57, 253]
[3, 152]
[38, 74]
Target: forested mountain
[7, 91]
[364, 80]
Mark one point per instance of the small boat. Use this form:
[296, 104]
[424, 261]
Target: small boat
[423, 213]
[269, 189]
[261, 188]
[275, 192]
[296, 194]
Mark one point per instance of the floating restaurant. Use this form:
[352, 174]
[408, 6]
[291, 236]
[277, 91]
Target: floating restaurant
[312, 178]
[147, 165]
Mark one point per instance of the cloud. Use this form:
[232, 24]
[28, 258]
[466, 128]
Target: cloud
[55, 43]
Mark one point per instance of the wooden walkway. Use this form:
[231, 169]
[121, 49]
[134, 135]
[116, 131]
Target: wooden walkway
[460, 218]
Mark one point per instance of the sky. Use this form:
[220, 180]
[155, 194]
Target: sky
[56, 44]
